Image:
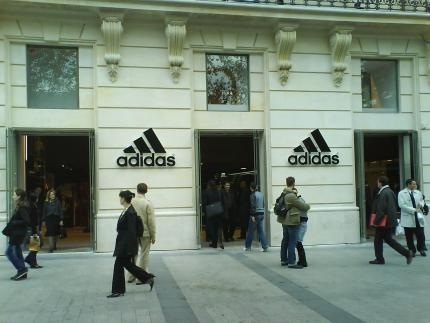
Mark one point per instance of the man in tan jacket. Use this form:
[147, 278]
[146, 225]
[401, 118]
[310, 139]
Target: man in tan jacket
[145, 210]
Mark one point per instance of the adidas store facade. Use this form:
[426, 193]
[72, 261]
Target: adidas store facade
[150, 85]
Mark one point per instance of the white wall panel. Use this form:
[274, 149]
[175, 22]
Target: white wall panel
[18, 75]
[19, 97]
[257, 101]
[160, 197]
[405, 68]
[71, 30]
[310, 119]
[383, 121]
[86, 99]
[2, 49]
[314, 175]
[31, 28]
[407, 103]
[228, 120]
[2, 95]
[154, 177]
[86, 78]
[52, 118]
[256, 82]
[144, 98]
[256, 63]
[119, 138]
[86, 57]
[3, 196]
[425, 102]
[280, 100]
[406, 85]
[144, 77]
[304, 62]
[144, 35]
[143, 118]
[17, 53]
[424, 84]
[308, 82]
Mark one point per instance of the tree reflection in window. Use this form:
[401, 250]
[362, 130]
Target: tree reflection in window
[227, 82]
[53, 77]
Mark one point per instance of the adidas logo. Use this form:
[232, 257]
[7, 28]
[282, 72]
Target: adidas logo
[146, 144]
[313, 151]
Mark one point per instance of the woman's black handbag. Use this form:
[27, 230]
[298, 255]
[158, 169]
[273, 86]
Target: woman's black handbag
[214, 209]
[6, 230]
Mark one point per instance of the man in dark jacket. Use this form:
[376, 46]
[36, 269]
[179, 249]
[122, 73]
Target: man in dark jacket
[385, 205]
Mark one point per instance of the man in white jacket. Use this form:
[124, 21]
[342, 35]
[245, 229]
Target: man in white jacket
[411, 203]
[145, 210]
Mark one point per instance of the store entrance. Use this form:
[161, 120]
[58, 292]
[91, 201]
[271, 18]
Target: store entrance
[392, 155]
[63, 162]
[228, 158]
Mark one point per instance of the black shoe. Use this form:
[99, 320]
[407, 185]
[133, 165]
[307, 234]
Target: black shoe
[213, 245]
[413, 253]
[423, 253]
[409, 258]
[114, 295]
[222, 247]
[377, 262]
[297, 266]
[36, 266]
[51, 250]
[304, 264]
[151, 284]
[283, 263]
[21, 276]
[131, 280]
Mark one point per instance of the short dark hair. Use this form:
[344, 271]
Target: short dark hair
[22, 201]
[254, 187]
[409, 181]
[142, 188]
[291, 181]
[384, 180]
[127, 195]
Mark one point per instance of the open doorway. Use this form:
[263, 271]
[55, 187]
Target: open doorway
[392, 155]
[229, 158]
[63, 162]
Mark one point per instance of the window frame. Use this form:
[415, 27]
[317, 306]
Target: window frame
[27, 62]
[228, 107]
[397, 109]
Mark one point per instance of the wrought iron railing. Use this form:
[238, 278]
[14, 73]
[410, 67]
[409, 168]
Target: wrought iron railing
[387, 5]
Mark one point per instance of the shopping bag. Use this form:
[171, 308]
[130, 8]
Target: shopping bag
[382, 222]
[399, 229]
[34, 243]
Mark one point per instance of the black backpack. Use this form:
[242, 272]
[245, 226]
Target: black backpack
[139, 227]
[279, 208]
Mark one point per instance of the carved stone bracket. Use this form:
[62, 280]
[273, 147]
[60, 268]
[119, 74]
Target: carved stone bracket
[175, 33]
[112, 30]
[285, 39]
[340, 43]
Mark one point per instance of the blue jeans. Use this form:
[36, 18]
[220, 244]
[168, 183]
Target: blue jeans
[302, 231]
[289, 242]
[258, 224]
[14, 254]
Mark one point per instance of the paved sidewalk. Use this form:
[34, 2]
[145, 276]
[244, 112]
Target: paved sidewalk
[223, 286]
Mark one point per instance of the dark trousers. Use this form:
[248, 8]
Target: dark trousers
[216, 229]
[118, 280]
[386, 234]
[419, 233]
[31, 258]
[229, 226]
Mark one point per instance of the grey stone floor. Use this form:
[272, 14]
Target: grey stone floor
[223, 286]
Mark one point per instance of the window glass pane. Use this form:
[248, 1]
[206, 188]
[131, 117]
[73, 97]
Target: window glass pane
[53, 77]
[379, 84]
[227, 82]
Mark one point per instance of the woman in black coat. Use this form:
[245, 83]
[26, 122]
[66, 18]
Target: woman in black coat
[53, 218]
[16, 230]
[126, 248]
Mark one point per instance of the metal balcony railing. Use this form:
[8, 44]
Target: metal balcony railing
[383, 5]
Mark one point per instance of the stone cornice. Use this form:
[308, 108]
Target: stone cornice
[175, 34]
[285, 39]
[340, 43]
[112, 29]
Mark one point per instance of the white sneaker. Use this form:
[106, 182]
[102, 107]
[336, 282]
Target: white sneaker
[264, 250]
[246, 249]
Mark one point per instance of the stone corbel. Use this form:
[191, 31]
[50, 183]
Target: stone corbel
[112, 30]
[285, 39]
[340, 44]
[175, 33]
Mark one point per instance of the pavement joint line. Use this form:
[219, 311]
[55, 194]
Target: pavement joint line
[311, 300]
[173, 302]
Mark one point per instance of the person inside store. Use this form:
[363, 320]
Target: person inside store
[385, 219]
[243, 207]
[145, 211]
[36, 209]
[214, 213]
[16, 231]
[256, 219]
[411, 203]
[53, 218]
[229, 205]
[126, 248]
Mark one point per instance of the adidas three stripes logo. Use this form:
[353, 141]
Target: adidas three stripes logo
[143, 147]
[313, 143]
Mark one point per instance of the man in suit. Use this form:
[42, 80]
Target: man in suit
[385, 206]
[411, 202]
[145, 210]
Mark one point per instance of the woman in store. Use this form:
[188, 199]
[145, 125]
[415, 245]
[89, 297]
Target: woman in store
[53, 218]
[126, 248]
[16, 230]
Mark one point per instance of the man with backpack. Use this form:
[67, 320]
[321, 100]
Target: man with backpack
[288, 208]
